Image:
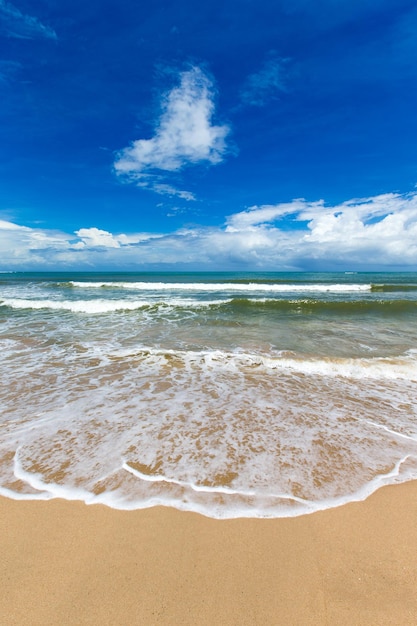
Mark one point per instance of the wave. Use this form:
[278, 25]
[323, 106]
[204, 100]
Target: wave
[402, 367]
[307, 306]
[115, 473]
[77, 306]
[270, 505]
[393, 287]
[250, 286]
[223, 287]
[310, 305]
[106, 306]
[223, 433]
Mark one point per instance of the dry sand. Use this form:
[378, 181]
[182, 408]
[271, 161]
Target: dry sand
[67, 563]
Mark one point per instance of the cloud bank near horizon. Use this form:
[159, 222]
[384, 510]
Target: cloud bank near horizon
[183, 136]
[376, 232]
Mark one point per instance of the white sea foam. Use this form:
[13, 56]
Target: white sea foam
[272, 505]
[402, 367]
[379, 368]
[226, 287]
[15, 495]
[158, 478]
[223, 434]
[96, 306]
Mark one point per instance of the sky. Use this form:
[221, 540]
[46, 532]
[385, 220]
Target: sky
[239, 135]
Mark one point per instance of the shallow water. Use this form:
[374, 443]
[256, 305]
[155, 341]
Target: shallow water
[261, 395]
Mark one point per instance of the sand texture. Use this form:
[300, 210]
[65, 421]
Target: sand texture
[67, 563]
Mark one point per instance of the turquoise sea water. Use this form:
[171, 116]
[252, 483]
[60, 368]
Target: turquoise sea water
[257, 395]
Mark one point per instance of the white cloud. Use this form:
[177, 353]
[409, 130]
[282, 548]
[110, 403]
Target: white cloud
[184, 136]
[267, 83]
[5, 225]
[94, 237]
[24, 246]
[133, 238]
[370, 233]
[20, 26]
[169, 190]
[377, 231]
[254, 216]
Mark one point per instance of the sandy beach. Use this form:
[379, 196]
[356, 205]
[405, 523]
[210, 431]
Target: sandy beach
[68, 563]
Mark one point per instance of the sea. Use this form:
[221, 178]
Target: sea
[258, 395]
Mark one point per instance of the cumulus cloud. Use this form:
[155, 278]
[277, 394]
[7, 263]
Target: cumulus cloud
[94, 237]
[376, 231]
[97, 238]
[23, 247]
[379, 232]
[14, 23]
[266, 83]
[184, 136]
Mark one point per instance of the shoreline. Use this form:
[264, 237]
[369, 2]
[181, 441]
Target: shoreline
[70, 563]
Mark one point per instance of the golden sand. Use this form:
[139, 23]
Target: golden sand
[67, 563]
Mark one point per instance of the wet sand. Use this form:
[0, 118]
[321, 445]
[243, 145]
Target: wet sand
[67, 563]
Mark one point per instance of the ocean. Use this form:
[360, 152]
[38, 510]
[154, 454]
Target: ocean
[228, 394]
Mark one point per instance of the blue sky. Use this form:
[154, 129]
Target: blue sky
[233, 134]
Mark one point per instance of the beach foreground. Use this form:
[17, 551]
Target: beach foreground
[68, 563]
